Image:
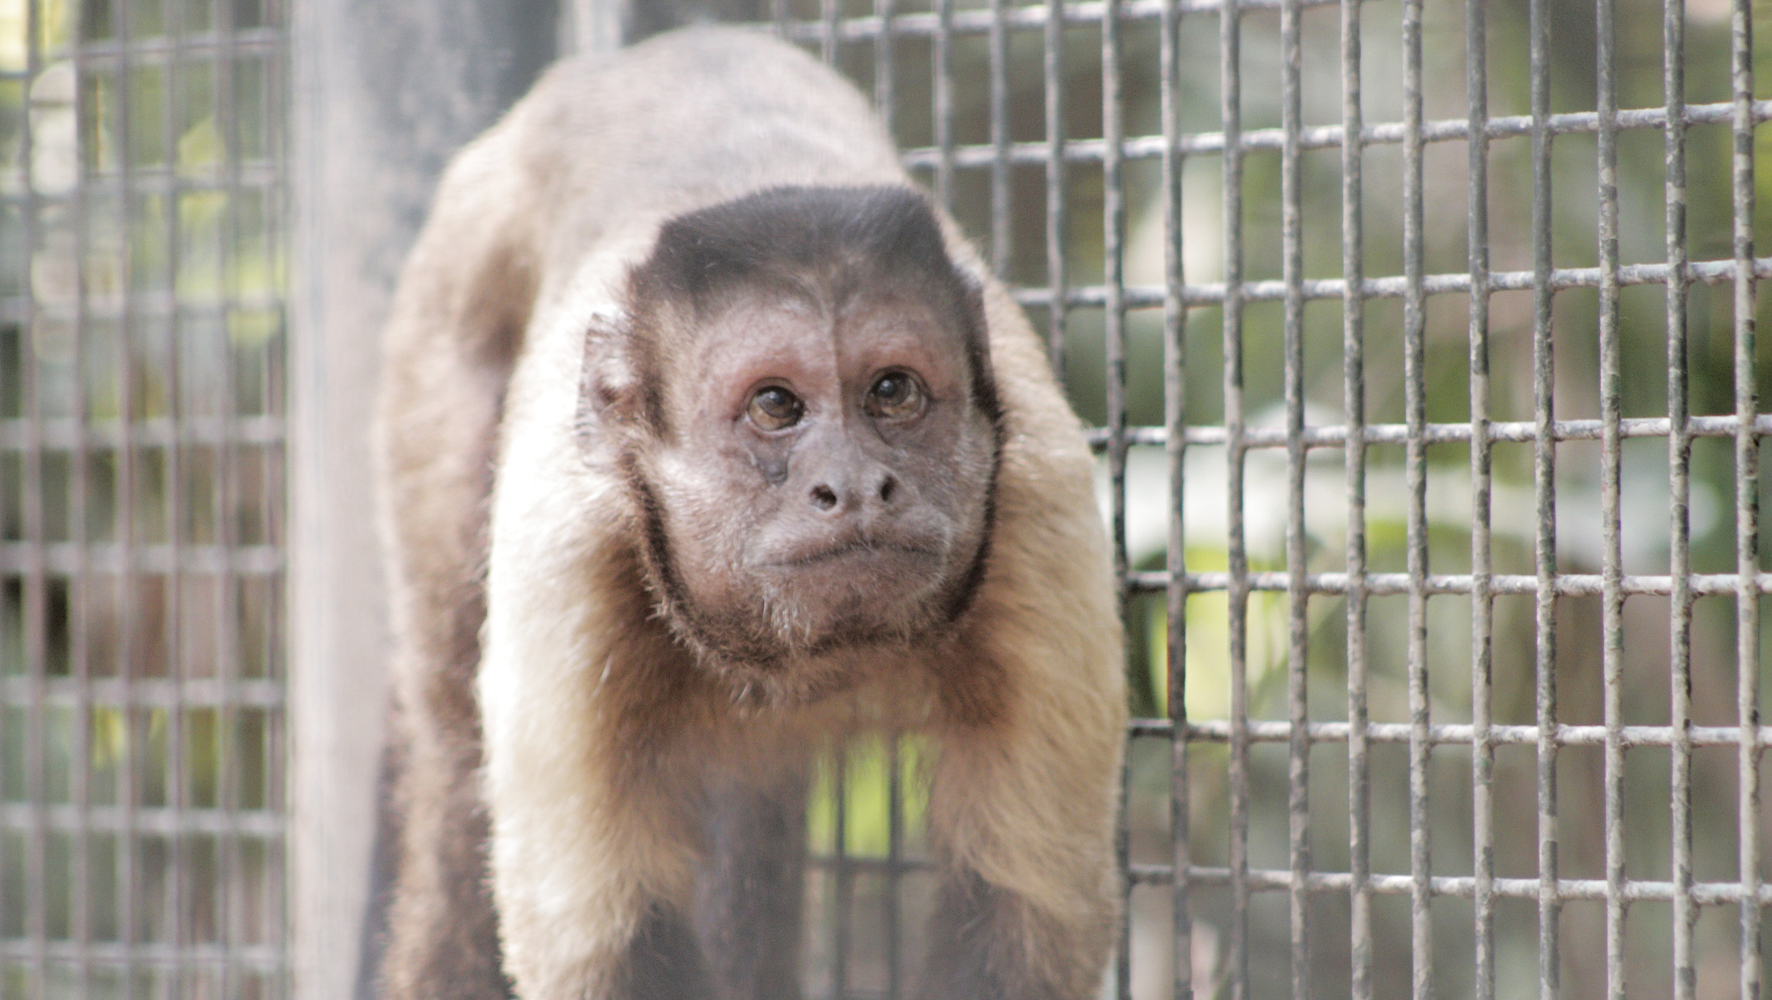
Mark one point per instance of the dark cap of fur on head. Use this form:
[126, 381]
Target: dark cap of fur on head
[789, 234]
[817, 243]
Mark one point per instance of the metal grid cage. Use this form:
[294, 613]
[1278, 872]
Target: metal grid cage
[1400, 367]
[1354, 501]
[141, 510]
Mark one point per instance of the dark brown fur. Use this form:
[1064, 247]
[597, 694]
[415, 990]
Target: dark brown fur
[444, 939]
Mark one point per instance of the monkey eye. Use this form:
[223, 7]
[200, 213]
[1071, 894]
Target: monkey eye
[773, 408]
[896, 395]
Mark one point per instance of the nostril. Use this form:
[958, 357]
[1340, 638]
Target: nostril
[887, 488]
[823, 497]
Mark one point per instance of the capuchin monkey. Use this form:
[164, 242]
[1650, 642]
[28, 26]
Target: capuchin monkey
[706, 444]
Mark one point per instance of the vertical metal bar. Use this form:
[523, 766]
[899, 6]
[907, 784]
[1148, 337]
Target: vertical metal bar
[844, 876]
[1544, 487]
[1415, 474]
[1476, 69]
[778, 13]
[1002, 221]
[1057, 205]
[276, 736]
[1114, 334]
[133, 757]
[894, 862]
[14, 896]
[1113, 278]
[1679, 462]
[1175, 449]
[1353, 354]
[1747, 495]
[179, 884]
[225, 538]
[885, 103]
[944, 103]
[1237, 589]
[35, 608]
[79, 597]
[1611, 459]
[1123, 861]
[1297, 593]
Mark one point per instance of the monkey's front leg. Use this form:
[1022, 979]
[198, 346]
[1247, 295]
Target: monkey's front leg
[1021, 915]
[589, 779]
[1022, 814]
[593, 876]
[980, 947]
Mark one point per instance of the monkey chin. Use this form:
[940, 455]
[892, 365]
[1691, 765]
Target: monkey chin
[821, 625]
[764, 688]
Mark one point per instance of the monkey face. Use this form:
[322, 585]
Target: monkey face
[826, 485]
[802, 406]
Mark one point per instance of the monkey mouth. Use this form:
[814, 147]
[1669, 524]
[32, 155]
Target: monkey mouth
[861, 550]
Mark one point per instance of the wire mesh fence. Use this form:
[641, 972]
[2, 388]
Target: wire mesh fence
[141, 443]
[1415, 337]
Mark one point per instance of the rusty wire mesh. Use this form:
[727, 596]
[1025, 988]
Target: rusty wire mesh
[141, 440]
[1416, 336]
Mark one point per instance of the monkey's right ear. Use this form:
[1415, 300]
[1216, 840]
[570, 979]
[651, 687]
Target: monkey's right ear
[611, 392]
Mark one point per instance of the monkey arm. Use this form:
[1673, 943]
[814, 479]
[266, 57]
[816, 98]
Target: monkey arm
[447, 347]
[1023, 810]
[593, 844]
[1026, 781]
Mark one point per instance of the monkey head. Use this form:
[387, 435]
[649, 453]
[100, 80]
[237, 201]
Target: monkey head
[802, 407]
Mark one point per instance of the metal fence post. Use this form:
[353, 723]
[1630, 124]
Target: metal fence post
[384, 92]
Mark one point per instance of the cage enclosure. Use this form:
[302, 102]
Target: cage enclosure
[1417, 341]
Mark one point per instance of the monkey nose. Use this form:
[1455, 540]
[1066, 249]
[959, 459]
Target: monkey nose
[836, 496]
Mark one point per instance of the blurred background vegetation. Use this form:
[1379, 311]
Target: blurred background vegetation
[142, 268]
